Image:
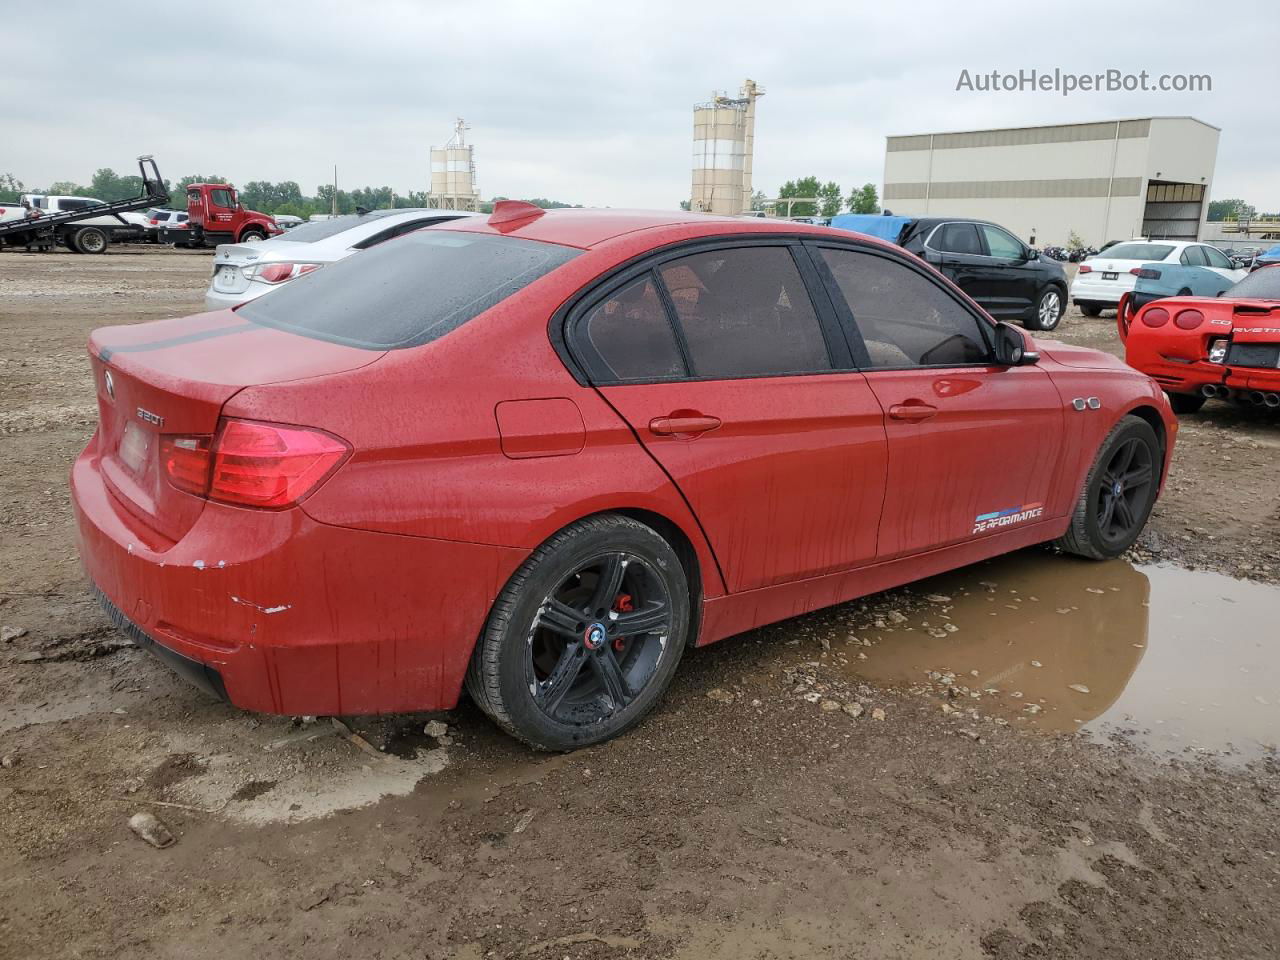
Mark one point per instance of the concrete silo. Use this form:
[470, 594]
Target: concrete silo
[453, 173]
[723, 142]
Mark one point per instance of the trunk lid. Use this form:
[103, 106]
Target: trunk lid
[230, 259]
[172, 377]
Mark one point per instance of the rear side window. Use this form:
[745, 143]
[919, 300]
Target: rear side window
[745, 312]
[957, 238]
[1193, 257]
[632, 334]
[1154, 252]
[407, 291]
[905, 319]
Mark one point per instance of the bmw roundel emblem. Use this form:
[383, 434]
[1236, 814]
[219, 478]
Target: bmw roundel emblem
[109, 382]
[594, 637]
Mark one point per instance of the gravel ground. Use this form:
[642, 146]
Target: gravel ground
[782, 802]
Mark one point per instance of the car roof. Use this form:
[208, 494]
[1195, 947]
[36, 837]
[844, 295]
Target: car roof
[586, 228]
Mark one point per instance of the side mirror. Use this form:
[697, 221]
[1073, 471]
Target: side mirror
[1011, 347]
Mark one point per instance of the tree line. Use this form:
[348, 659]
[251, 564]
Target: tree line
[278, 199]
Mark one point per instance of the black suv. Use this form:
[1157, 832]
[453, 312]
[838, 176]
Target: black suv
[1008, 278]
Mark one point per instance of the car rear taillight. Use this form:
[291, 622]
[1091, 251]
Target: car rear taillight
[1136, 271]
[1146, 274]
[186, 462]
[1085, 268]
[253, 464]
[280, 272]
[1155, 317]
[1188, 319]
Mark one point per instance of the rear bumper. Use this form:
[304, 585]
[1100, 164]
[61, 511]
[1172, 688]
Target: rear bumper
[279, 613]
[1182, 377]
[1084, 290]
[1254, 378]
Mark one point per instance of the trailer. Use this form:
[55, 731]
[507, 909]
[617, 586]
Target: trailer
[43, 231]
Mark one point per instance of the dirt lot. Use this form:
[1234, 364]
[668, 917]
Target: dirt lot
[1031, 758]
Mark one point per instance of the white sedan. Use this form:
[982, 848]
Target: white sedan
[244, 271]
[1102, 280]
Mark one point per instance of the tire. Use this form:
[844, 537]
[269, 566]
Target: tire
[90, 240]
[249, 236]
[547, 669]
[1048, 309]
[1091, 309]
[1093, 532]
[1185, 402]
[1184, 292]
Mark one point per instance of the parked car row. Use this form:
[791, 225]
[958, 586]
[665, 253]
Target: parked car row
[1101, 281]
[540, 454]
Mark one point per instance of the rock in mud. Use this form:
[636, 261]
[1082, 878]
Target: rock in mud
[853, 709]
[8, 634]
[720, 696]
[877, 714]
[436, 728]
[151, 829]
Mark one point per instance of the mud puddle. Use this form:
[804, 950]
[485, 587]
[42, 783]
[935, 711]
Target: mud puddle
[1173, 659]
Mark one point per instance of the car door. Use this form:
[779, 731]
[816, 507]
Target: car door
[973, 446]
[1008, 282]
[740, 385]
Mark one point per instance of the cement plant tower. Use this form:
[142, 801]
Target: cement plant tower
[453, 173]
[723, 141]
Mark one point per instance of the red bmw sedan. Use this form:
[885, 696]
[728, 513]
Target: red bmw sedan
[540, 454]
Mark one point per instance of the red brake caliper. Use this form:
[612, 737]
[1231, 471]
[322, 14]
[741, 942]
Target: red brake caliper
[622, 604]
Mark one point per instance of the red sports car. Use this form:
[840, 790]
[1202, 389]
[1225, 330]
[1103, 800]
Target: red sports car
[542, 453]
[1200, 347]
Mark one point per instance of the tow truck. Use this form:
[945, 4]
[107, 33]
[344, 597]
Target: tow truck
[46, 230]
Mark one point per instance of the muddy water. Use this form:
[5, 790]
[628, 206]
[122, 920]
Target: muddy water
[1175, 659]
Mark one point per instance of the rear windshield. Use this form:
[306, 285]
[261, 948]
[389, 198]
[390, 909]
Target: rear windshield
[1262, 284]
[407, 291]
[324, 229]
[1139, 251]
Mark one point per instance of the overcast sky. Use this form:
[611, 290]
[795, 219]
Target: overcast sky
[591, 102]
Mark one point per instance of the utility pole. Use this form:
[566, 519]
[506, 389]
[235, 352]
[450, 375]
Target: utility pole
[333, 201]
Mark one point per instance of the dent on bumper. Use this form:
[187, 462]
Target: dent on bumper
[296, 616]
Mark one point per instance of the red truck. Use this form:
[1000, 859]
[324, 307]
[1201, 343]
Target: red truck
[216, 216]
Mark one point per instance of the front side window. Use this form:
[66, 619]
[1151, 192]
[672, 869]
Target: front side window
[221, 198]
[745, 312]
[407, 291]
[957, 238]
[632, 334]
[1001, 244]
[905, 319]
[1216, 258]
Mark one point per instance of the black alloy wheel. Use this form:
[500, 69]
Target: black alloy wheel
[597, 639]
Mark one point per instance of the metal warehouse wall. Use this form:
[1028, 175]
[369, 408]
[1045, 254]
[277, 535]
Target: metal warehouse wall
[1091, 178]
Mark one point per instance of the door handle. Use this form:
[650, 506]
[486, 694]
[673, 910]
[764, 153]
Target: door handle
[914, 412]
[686, 425]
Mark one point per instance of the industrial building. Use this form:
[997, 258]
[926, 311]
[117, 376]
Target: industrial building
[1112, 180]
[723, 143]
[453, 173]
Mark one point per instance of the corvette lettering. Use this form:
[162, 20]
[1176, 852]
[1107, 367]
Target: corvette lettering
[1003, 518]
